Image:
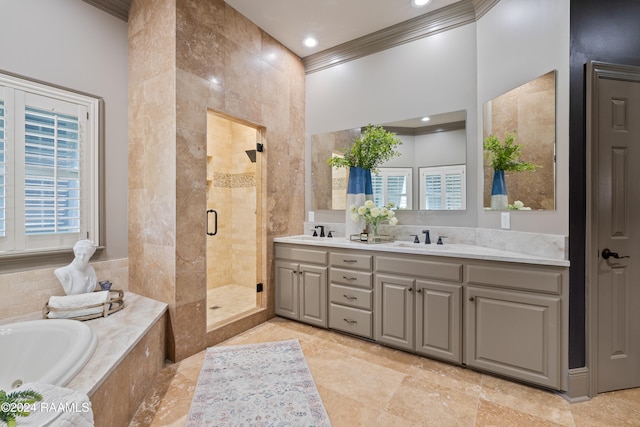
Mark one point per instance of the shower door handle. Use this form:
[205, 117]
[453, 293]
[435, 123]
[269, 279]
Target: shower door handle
[215, 222]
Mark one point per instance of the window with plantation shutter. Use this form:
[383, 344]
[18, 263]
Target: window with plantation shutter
[443, 188]
[49, 177]
[393, 185]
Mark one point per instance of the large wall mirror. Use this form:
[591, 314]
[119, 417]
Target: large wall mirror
[529, 112]
[430, 173]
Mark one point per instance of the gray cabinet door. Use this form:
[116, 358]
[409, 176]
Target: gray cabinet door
[394, 311]
[313, 295]
[439, 320]
[287, 289]
[515, 334]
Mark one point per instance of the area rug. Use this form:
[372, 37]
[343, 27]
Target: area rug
[266, 384]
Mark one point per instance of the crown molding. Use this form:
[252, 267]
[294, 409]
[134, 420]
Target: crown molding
[447, 18]
[117, 8]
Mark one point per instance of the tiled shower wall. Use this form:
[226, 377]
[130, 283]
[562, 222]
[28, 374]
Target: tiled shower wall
[231, 191]
[186, 57]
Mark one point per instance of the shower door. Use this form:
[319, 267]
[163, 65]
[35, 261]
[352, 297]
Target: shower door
[233, 212]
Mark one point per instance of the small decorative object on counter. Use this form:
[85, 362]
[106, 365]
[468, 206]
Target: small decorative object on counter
[84, 307]
[373, 217]
[105, 285]
[79, 277]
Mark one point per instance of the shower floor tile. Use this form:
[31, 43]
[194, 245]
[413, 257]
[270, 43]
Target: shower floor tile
[229, 301]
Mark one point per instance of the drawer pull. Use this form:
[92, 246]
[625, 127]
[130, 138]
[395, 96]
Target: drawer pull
[350, 321]
[349, 297]
[349, 278]
[349, 260]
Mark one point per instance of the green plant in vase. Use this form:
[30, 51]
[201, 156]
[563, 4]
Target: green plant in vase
[368, 152]
[505, 157]
[375, 146]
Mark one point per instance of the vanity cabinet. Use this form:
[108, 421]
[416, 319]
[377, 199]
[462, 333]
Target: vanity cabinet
[514, 321]
[416, 312]
[504, 317]
[301, 284]
[351, 293]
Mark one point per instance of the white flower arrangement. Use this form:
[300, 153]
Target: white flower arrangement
[518, 206]
[374, 215]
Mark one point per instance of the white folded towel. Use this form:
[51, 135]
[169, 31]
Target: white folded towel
[59, 407]
[70, 304]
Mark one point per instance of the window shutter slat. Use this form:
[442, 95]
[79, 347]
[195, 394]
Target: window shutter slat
[52, 172]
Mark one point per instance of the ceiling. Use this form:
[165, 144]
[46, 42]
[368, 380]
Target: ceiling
[331, 22]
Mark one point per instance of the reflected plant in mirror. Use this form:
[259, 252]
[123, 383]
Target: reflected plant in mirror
[526, 118]
[430, 172]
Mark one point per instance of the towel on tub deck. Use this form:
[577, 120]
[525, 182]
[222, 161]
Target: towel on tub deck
[69, 302]
[59, 406]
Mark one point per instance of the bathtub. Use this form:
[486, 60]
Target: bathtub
[50, 351]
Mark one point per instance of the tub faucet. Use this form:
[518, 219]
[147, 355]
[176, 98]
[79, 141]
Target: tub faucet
[427, 239]
[321, 227]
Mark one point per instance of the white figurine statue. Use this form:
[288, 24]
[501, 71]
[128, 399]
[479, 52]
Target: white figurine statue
[79, 277]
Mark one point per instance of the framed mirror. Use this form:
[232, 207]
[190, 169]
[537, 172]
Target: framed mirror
[433, 150]
[529, 113]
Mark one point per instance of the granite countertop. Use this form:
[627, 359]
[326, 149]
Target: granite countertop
[451, 250]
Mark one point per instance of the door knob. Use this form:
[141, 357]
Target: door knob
[606, 254]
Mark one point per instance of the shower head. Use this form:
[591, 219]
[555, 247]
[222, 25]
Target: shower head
[252, 155]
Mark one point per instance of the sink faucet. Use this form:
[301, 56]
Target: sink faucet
[321, 227]
[440, 239]
[427, 239]
[415, 238]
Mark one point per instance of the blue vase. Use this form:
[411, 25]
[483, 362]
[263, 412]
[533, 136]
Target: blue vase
[499, 198]
[359, 190]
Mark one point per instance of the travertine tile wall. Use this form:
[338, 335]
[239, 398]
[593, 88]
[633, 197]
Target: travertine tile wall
[27, 291]
[186, 56]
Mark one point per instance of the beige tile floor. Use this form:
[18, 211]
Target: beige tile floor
[230, 302]
[365, 384]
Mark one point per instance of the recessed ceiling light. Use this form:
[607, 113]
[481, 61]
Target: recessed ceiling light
[420, 3]
[310, 42]
[425, 119]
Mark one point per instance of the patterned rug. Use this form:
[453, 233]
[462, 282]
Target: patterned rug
[265, 384]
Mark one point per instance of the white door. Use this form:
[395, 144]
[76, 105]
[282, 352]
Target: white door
[617, 209]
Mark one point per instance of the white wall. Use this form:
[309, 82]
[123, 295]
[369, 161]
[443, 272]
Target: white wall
[519, 40]
[460, 69]
[72, 44]
[429, 76]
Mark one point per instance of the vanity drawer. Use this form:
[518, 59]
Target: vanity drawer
[352, 320]
[526, 278]
[351, 278]
[359, 261]
[359, 298]
[315, 256]
[451, 271]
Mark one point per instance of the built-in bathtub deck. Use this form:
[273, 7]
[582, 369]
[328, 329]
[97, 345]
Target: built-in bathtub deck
[117, 335]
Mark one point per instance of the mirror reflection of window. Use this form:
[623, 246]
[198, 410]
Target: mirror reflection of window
[393, 185]
[443, 188]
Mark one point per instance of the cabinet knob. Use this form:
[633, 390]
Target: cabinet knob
[410, 289]
[419, 290]
[472, 299]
